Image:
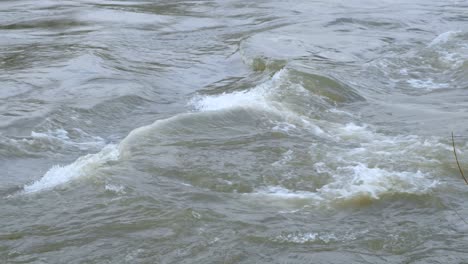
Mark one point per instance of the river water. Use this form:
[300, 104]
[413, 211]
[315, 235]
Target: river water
[228, 131]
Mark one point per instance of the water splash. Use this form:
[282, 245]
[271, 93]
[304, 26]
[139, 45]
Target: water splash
[84, 165]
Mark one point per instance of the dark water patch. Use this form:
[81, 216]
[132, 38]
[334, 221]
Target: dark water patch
[374, 24]
[413, 29]
[327, 87]
[458, 18]
[22, 115]
[263, 64]
[234, 84]
[36, 55]
[51, 24]
[169, 8]
[238, 37]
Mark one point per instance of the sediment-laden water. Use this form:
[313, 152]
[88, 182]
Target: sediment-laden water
[233, 131]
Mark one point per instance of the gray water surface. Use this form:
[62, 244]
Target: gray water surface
[233, 131]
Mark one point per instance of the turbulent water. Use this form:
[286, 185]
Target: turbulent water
[228, 131]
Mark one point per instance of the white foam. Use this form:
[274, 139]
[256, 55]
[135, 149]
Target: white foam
[349, 182]
[300, 238]
[252, 98]
[322, 237]
[352, 129]
[443, 38]
[340, 112]
[61, 136]
[257, 97]
[263, 97]
[428, 84]
[360, 180]
[277, 192]
[353, 169]
[356, 177]
[454, 59]
[84, 165]
[114, 188]
[284, 127]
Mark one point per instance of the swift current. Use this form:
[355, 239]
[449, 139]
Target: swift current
[223, 131]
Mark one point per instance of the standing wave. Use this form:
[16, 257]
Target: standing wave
[345, 155]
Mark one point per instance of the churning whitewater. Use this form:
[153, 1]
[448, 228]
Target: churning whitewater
[229, 131]
[357, 177]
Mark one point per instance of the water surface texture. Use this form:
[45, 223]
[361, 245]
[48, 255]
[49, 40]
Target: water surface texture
[230, 131]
